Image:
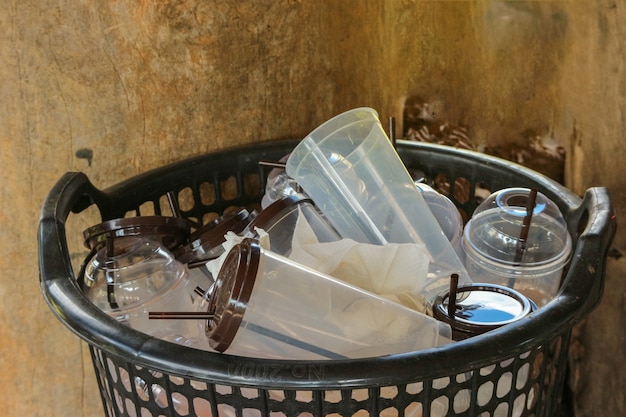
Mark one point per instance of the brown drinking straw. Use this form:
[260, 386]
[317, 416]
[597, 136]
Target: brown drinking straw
[454, 285]
[179, 315]
[110, 253]
[521, 245]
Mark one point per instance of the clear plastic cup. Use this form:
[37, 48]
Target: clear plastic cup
[496, 251]
[279, 220]
[447, 215]
[133, 276]
[350, 169]
[278, 185]
[265, 305]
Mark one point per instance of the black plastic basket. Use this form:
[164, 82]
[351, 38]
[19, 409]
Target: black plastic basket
[517, 370]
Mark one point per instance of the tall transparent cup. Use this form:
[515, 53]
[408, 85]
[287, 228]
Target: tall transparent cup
[354, 175]
[265, 305]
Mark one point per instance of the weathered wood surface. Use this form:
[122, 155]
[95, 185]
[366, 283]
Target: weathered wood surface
[115, 88]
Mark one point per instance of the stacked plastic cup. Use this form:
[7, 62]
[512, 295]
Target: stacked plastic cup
[350, 169]
[265, 305]
[133, 276]
[279, 221]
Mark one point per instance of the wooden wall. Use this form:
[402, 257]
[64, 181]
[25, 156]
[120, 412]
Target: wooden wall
[114, 88]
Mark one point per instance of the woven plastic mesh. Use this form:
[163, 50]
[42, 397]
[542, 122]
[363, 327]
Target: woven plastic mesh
[524, 385]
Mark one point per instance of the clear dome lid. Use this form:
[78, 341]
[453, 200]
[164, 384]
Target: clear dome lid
[130, 272]
[507, 227]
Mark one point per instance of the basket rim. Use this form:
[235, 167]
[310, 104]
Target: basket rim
[71, 307]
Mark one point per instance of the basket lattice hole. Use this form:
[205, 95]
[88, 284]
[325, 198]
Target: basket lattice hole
[209, 217]
[414, 388]
[160, 395]
[228, 188]
[481, 191]
[223, 389]
[441, 383]
[141, 388]
[181, 404]
[202, 407]
[414, 409]
[506, 363]
[487, 370]
[332, 396]
[466, 376]
[249, 393]
[276, 395]
[462, 190]
[147, 208]
[186, 201]
[225, 410]
[125, 379]
[502, 410]
[387, 412]
[112, 370]
[165, 207]
[118, 400]
[208, 196]
[251, 184]
[522, 376]
[532, 398]
[130, 407]
[251, 412]
[304, 396]
[462, 401]
[519, 404]
[505, 384]
[198, 385]
[485, 393]
[441, 183]
[131, 213]
[440, 406]
[387, 392]
[176, 380]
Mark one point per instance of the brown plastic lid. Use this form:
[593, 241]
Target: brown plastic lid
[265, 217]
[205, 243]
[231, 293]
[481, 308]
[170, 231]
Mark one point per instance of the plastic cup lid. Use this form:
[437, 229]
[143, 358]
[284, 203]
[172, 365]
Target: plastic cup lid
[231, 293]
[265, 217]
[482, 307]
[205, 243]
[169, 231]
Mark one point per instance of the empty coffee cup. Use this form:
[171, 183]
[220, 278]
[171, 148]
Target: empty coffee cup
[518, 238]
[265, 305]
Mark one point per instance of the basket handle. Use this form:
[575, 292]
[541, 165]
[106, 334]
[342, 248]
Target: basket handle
[585, 278]
[73, 192]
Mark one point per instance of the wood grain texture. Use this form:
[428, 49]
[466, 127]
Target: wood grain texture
[118, 87]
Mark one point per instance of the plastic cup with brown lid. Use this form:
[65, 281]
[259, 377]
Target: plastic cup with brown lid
[265, 305]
